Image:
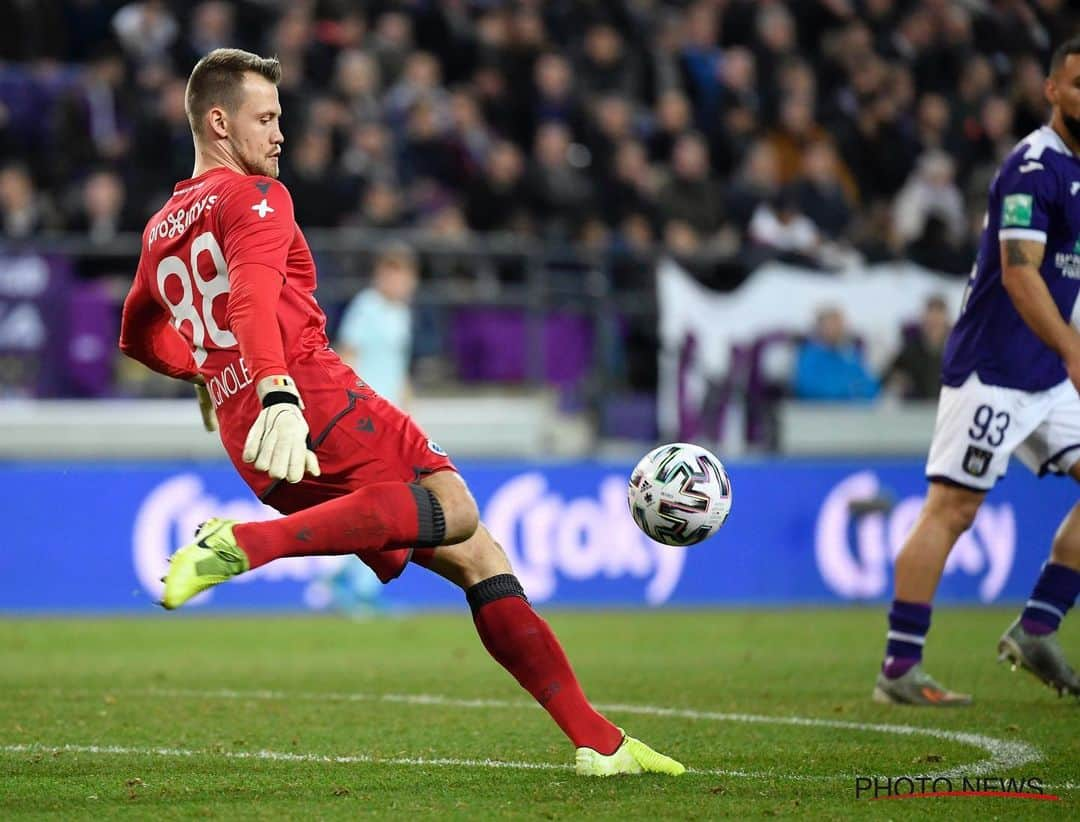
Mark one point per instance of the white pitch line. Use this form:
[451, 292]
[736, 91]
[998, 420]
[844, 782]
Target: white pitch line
[1004, 754]
[352, 759]
[282, 756]
[365, 759]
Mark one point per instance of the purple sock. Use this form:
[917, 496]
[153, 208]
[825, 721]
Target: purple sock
[1051, 598]
[908, 624]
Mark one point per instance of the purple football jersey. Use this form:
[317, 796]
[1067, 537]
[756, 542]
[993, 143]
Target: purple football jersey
[1035, 196]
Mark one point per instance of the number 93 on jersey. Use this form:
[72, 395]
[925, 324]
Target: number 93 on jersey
[679, 494]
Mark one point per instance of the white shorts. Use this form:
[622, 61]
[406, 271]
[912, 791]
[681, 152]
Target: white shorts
[980, 426]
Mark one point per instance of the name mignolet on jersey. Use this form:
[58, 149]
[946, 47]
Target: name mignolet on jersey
[228, 382]
[175, 223]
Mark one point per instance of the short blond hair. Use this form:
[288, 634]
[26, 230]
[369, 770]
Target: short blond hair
[217, 78]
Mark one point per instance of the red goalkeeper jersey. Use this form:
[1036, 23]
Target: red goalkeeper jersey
[222, 256]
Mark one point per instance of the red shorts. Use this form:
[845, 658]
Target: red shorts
[359, 437]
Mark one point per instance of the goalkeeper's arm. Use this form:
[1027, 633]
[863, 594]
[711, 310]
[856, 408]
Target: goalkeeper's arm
[277, 441]
[147, 335]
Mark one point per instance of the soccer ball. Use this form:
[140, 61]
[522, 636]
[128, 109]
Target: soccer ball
[679, 494]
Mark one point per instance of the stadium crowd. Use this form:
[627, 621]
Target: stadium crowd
[808, 128]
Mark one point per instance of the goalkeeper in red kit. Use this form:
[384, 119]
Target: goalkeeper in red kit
[224, 297]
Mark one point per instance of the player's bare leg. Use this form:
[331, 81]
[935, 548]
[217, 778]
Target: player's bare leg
[948, 511]
[1031, 641]
[523, 643]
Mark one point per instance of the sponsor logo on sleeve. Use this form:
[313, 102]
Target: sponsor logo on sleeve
[1016, 210]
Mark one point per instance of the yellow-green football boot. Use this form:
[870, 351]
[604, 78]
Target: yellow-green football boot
[632, 756]
[213, 557]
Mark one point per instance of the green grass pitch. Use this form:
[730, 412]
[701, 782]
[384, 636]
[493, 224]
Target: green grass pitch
[181, 716]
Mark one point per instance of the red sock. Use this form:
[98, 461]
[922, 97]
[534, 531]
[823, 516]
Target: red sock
[523, 643]
[383, 515]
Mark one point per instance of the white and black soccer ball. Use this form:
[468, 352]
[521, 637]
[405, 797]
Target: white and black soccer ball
[679, 494]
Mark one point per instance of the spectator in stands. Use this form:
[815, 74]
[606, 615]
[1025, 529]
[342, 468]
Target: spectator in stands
[369, 156]
[147, 30]
[94, 119]
[559, 193]
[673, 117]
[774, 45]
[781, 229]
[873, 234]
[606, 66]
[795, 131]
[554, 97]
[975, 84]
[420, 82]
[163, 146]
[505, 113]
[937, 250]
[820, 192]
[876, 145]
[392, 42]
[611, 122]
[930, 190]
[691, 195]
[915, 372]
[732, 131]
[375, 334]
[382, 206]
[632, 187]
[1029, 101]
[701, 57]
[358, 85]
[24, 212]
[429, 153]
[829, 365]
[317, 191]
[663, 71]
[682, 240]
[986, 147]
[757, 182]
[101, 213]
[468, 133]
[212, 26]
[933, 120]
[497, 199]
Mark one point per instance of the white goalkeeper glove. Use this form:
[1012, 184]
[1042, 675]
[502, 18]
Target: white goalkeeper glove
[277, 442]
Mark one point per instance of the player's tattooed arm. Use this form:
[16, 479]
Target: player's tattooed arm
[1024, 283]
[1022, 253]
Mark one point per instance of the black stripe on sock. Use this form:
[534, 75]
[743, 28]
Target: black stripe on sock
[431, 530]
[499, 586]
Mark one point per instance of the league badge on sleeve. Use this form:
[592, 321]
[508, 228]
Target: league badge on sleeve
[977, 460]
[1016, 210]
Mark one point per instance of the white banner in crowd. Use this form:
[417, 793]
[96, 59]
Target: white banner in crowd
[877, 301]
